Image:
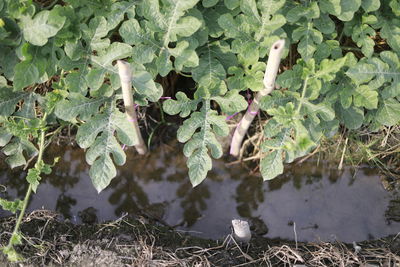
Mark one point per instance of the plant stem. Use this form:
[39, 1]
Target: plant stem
[303, 94]
[269, 85]
[125, 74]
[29, 191]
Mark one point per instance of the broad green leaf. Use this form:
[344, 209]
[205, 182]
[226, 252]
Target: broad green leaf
[102, 172]
[207, 124]
[9, 99]
[33, 178]
[95, 33]
[25, 74]
[118, 10]
[210, 72]
[352, 117]
[108, 122]
[5, 136]
[231, 102]
[76, 82]
[78, 106]
[365, 97]
[100, 147]
[232, 4]
[182, 105]
[14, 151]
[388, 112]
[370, 5]
[44, 25]
[309, 39]
[361, 73]
[348, 9]
[12, 206]
[115, 51]
[330, 6]
[391, 32]
[272, 128]
[271, 165]
[395, 5]
[185, 55]
[144, 85]
[309, 11]
[325, 24]
[209, 3]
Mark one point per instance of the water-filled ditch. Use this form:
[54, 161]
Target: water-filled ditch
[314, 199]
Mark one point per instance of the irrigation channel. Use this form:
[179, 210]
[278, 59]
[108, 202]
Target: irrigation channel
[313, 200]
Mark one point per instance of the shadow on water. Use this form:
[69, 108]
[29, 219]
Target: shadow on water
[322, 202]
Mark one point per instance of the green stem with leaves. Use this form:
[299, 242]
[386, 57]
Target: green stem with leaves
[15, 233]
[303, 95]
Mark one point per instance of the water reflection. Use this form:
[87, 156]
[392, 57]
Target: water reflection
[323, 202]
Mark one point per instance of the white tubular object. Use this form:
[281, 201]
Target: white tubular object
[271, 71]
[241, 231]
[125, 75]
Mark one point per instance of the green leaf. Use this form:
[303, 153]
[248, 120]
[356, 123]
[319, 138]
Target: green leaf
[391, 32]
[309, 39]
[118, 10]
[370, 5]
[388, 112]
[272, 128]
[352, 117]
[12, 206]
[78, 106]
[365, 97]
[361, 73]
[25, 74]
[102, 172]
[33, 178]
[9, 99]
[330, 6]
[100, 147]
[144, 84]
[271, 165]
[209, 73]
[348, 9]
[231, 102]
[115, 51]
[44, 25]
[209, 3]
[95, 32]
[310, 11]
[185, 55]
[198, 144]
[232, 4]
[182, 105]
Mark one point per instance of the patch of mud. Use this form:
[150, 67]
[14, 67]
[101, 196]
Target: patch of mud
[141, 242]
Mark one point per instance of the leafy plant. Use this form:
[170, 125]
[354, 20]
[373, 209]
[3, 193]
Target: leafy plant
[341, 69]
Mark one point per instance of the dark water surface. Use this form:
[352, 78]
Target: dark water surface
[320, 201]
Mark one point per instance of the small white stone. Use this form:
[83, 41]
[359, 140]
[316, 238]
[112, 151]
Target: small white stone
[357, 248]
[241, 231]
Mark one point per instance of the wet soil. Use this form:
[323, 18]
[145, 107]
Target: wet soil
[139, 241]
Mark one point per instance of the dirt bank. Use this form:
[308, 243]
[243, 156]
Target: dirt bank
[139, 242]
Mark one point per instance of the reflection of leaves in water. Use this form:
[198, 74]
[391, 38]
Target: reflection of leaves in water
[392, 212]
[14, 179]
[64, 205]
[72, 161]
[278, 182]
[333, 174]
[127, 195]
[249, 194]
[193, 201]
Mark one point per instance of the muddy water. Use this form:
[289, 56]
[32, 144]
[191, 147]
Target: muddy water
[315, 200]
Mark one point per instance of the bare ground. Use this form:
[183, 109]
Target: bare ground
[139, 242]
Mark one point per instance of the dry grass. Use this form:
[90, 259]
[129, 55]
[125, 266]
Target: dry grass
[129, 242]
